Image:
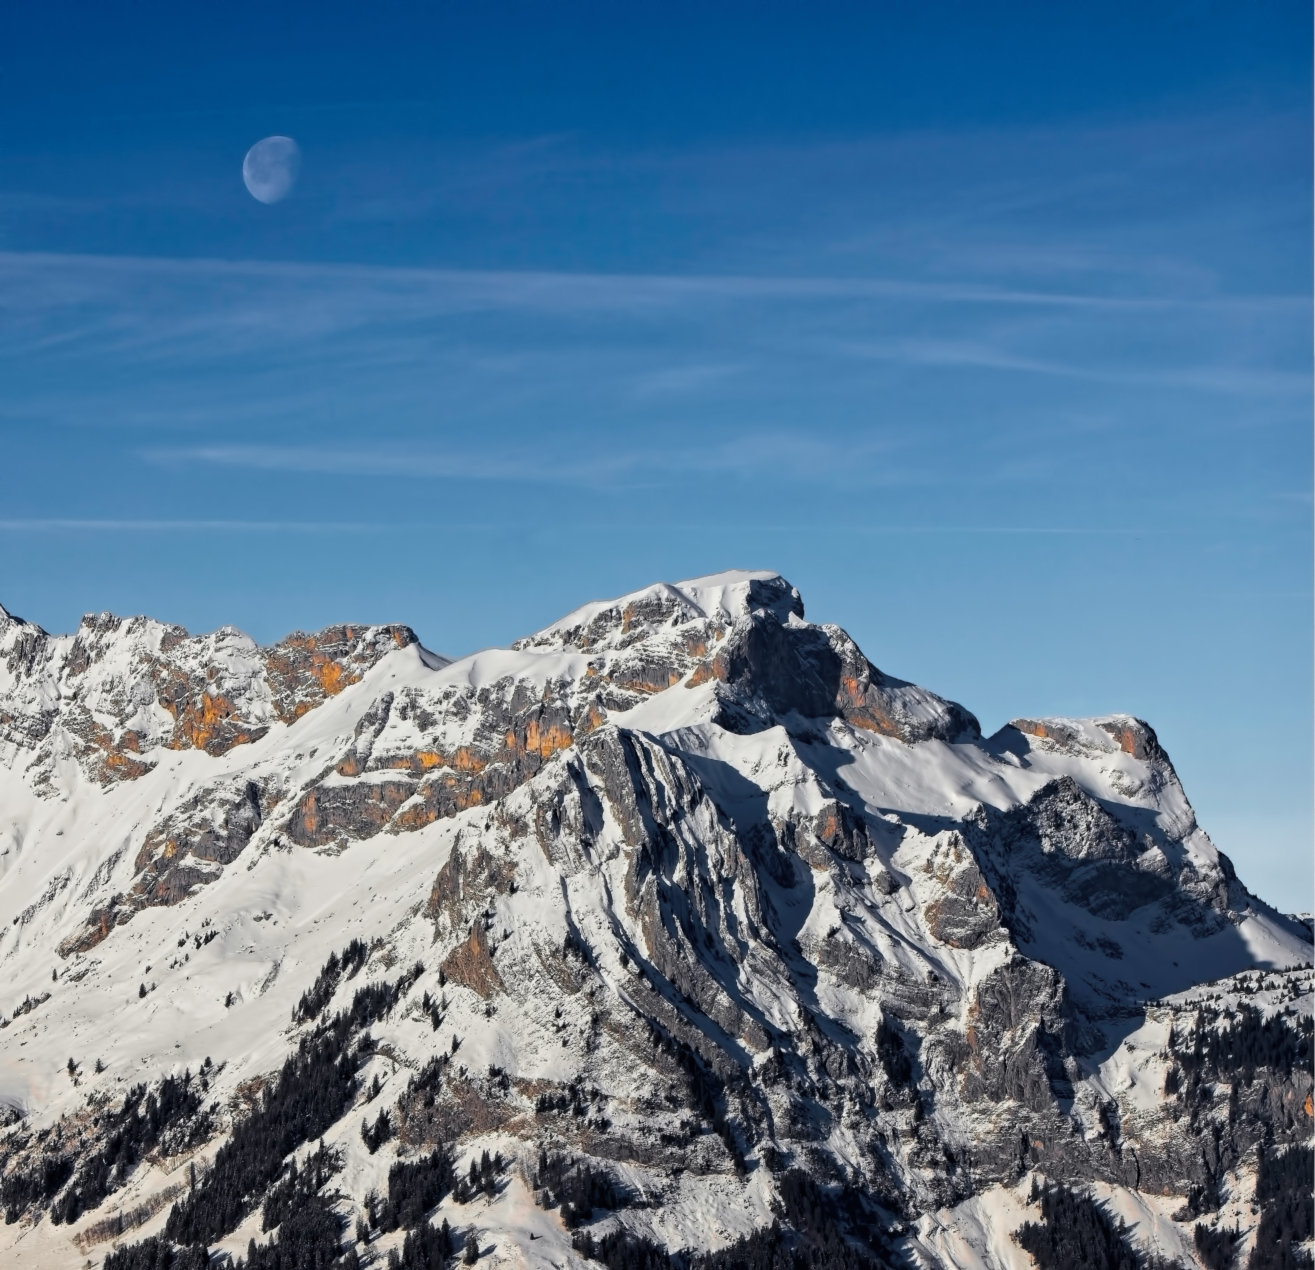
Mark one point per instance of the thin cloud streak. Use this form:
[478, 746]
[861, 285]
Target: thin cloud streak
[1215, 378]
[57, 524]
[75, 525]
[805, 455]
[525, 329]
[562, 291]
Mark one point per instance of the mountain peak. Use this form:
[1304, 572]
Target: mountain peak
[1124, 732]
[720, 598]
[121, 691]
[675, 917]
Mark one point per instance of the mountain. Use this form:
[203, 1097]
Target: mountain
[675, 934]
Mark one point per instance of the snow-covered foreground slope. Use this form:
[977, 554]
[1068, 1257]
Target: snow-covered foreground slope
[677, 906]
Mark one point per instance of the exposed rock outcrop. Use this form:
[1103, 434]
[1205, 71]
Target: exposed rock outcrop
[681, 888]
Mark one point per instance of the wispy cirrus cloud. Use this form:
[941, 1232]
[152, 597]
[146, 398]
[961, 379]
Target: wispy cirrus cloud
[974, 354]
[101, 524]
[408, 333]
[889, 313]
[85, 276]
[560, 463]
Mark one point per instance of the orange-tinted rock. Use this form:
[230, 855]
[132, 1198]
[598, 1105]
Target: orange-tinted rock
[471, 964]
[547, 741]
[857, 706]
[99, 924]
[645, 677]
[327, 813]
[965, 912]
[1134, 737]
[1061, 734]
[441, 797]
[119, 766]
[714, 669]
[594, 717]
[464, 881]
[306, 669]
[209, 723]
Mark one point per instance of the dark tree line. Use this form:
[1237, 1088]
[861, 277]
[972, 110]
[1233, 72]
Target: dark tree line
[1216, 1248]
[434, 1010]
[157, 1254]
[577, 1187]
[21, 1188]
[375, 1000]
[810, 1234]
[1285, 1191]
[422, 1091]
[428, 1081]
[894, 1057]
[307, 1240]
[1247, 1041]
[621, 1250]
[313, 1090]
[425, 1248]
[707, 1089]
[573, 1098]
[345, 966]
[414, 1187]
[482, 1178]
[778, 1248]
[298, 1187]
[818, 1213]
[132, 1132]
[1076, 1233]
[375, 1133]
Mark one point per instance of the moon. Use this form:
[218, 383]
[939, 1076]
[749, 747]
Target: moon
[270, 168]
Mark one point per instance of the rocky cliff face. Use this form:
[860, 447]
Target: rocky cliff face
[121, 689]
[680, 908]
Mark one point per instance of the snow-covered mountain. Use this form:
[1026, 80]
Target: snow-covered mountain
[682, 910]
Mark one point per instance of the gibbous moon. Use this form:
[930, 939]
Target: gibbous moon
[270, 168]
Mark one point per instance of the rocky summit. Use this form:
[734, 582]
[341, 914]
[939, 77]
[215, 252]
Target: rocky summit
[675, 935]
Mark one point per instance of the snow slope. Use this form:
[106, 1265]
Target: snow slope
[686, 814]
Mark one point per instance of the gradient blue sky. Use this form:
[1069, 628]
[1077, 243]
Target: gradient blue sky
[988, 325]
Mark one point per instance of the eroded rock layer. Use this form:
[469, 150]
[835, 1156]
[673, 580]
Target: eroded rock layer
[680, 909]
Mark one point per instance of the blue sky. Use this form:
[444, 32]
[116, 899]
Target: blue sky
[989, 326]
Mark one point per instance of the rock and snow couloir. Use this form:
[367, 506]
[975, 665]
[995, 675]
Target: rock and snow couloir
[681, 888]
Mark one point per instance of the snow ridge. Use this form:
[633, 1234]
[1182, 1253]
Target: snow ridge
[681, 890]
